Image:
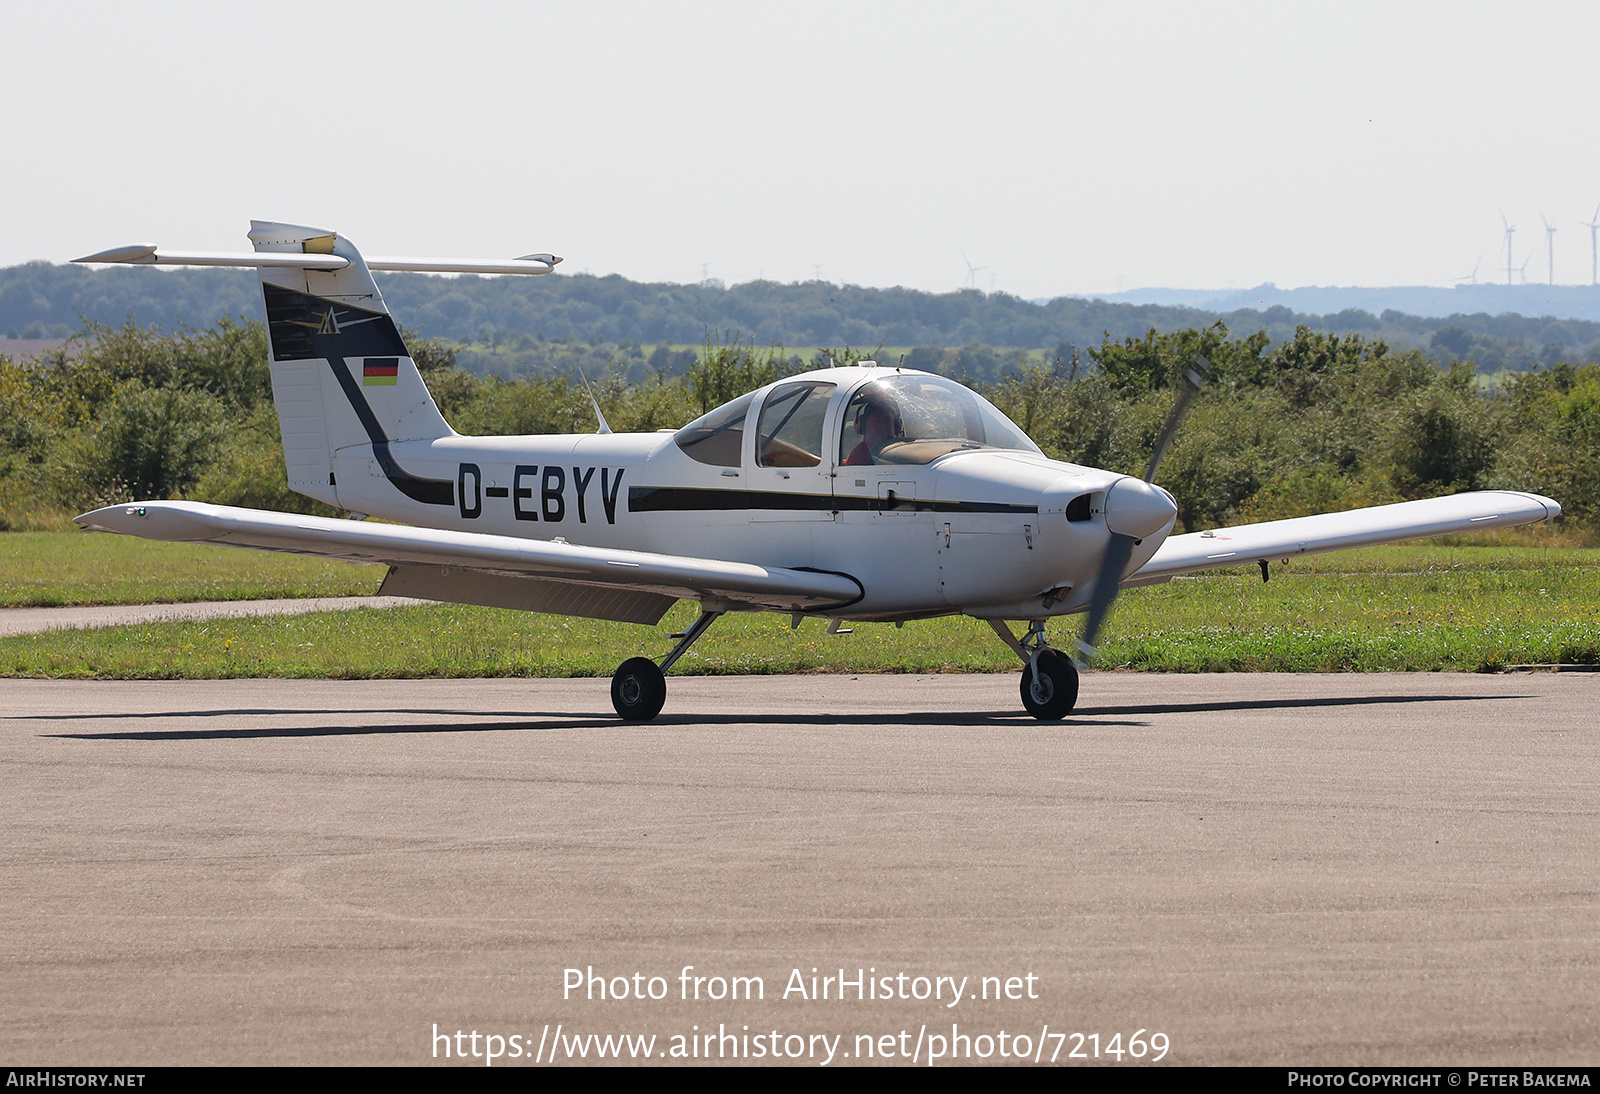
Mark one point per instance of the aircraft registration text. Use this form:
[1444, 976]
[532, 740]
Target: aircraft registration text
[550, 484]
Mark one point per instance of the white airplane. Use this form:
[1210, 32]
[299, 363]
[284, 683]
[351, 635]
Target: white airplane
[863, 493]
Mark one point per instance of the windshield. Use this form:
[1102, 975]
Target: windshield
[916, 419]
[716, 438]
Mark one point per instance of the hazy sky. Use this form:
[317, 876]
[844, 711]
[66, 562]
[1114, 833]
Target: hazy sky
[1064, 147]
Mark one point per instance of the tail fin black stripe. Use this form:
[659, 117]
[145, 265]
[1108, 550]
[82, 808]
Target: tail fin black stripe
[427, 491]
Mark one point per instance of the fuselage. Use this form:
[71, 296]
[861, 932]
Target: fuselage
[928, 527]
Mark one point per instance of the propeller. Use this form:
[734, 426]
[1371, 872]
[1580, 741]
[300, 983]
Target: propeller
[1134, 509]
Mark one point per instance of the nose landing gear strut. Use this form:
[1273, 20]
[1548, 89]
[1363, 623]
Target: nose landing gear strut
[1049, 684]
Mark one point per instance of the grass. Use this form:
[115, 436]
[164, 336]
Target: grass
[1416, 608]
[56, 569]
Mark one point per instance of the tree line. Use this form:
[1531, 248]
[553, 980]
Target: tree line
[551, 316]
[1312, 423]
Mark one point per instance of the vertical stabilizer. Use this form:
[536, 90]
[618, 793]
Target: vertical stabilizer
[342, 377]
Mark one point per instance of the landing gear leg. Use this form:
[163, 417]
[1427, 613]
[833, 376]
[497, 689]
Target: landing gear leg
[639, 687]
[1049, 684]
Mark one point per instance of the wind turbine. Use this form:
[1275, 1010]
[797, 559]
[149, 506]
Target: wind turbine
[1550, 246]
[1594, 247]
[972, 271]
[1473, 276]
[1511, 230]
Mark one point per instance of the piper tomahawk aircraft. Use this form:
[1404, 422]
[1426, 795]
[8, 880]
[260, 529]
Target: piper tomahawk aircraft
[861, 493]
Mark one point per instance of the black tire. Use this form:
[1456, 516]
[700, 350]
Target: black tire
[1058, 687]
[638, 690]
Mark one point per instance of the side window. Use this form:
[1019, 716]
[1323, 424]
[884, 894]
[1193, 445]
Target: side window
[792, 419]
[717, 437]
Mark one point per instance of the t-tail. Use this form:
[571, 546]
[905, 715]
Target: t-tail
[348, 393]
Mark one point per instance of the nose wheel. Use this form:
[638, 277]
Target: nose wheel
[1049, 684]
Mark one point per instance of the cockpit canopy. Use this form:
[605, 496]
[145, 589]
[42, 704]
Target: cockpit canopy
[911, 418]
[899, 418]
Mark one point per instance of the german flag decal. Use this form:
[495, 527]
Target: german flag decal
[380, 372]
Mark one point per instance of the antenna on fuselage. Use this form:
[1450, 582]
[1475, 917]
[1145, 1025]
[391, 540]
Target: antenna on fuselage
[605, 427]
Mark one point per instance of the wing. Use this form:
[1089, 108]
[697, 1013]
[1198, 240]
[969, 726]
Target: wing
[1251, 543]
[499, 571]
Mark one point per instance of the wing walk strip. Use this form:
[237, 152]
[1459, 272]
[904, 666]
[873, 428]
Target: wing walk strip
[502, 564]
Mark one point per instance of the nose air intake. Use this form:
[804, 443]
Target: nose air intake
[1137, 508]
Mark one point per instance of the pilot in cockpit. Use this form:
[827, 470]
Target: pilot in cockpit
[879, 425]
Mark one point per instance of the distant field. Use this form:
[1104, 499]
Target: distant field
[29, 347]
[54, 569]
[506, 356]
[1393, 608]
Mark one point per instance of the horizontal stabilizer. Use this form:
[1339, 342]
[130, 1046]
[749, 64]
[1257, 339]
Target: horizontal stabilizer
[739, 584]
[148, 254]
[537, 264]
[1276, 539]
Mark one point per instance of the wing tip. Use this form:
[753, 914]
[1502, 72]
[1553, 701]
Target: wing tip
[1552, 508]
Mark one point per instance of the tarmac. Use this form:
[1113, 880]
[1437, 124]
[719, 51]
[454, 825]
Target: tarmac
[1244, 869]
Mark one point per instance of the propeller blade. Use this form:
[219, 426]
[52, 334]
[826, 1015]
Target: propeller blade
[1120, 548]
[1118, 551]
[1192, 379]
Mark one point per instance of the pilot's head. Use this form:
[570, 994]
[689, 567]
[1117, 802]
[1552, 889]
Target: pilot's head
[877, 418]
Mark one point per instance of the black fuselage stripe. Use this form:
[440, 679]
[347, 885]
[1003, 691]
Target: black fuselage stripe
[669, 499]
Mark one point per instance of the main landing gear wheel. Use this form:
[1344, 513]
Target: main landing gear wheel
[1055, 692]
[638, 690]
